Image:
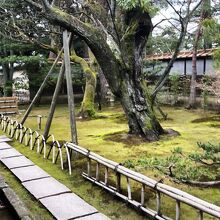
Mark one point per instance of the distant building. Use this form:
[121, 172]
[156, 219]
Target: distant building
[20, 85]
[183, 63]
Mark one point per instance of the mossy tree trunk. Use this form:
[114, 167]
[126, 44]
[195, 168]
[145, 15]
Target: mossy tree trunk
[87, 108]
[140, 114]
[120, 59]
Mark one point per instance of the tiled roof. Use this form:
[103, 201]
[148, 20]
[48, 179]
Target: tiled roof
[182, 54]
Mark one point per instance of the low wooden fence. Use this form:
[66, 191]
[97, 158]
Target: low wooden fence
[8, 105]
[114, 185]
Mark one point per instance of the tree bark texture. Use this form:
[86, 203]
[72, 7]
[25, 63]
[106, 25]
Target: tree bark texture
[140, 115]
[103, 86]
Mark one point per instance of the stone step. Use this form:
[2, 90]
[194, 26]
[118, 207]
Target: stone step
[7, 153]
[29, 173]
[45, 187]
[68, 206]
[4, 145]
[13, 163]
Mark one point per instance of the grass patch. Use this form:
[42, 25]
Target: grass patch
[107, 136]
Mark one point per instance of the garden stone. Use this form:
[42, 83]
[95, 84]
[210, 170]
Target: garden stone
[45, 187]
[29, 173]
[17, 162]
[2, 183]
[67, 206]
[15, 202]
[9, 153]
[4, 146]
[96, 216]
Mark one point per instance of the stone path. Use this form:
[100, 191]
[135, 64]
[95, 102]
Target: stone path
[56, 197]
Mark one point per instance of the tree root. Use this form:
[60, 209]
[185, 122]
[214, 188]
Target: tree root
[196, 183]
[202, 184]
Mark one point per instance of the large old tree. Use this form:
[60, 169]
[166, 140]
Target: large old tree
[116, 32]
[118, 46]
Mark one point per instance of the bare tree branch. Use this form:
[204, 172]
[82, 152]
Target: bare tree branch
[177, 12]
[194, 9]
[158, 23]
[114, 25]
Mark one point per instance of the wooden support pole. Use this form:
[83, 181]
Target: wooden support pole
[69, 88]
[54, 101]
[41, 88]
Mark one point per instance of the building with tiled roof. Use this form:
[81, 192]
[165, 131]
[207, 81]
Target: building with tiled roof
[183, 63]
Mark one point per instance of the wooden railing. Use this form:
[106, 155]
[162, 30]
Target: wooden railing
[102, 177]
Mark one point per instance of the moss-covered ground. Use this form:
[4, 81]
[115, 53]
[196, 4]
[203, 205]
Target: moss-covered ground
[107, 136]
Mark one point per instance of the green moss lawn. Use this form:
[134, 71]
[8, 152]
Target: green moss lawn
[107, 136]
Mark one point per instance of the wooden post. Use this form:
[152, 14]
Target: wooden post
[200, 215]
[89, 167]
[106, 176]
[41, 88]
[129, 188]
[39, 121]
[69, 87]
[177, 210]
[158, 202]
[142, 194]
[97, 171]
[118, 182]
[54, 101]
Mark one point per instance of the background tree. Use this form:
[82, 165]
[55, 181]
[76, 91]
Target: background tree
[48, 43]
[205, 13]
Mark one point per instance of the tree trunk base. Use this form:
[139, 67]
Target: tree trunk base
[190, 106]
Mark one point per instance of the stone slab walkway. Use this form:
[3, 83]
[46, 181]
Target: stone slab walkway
[56, 197]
